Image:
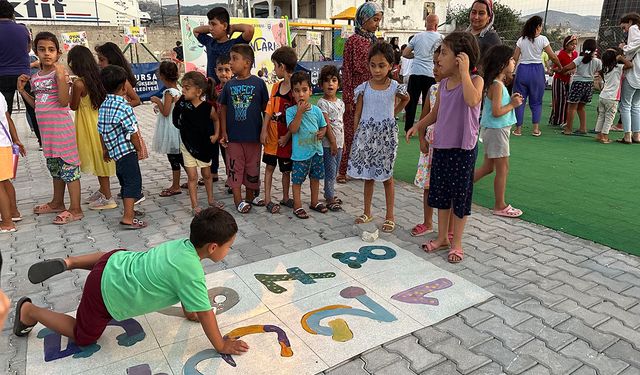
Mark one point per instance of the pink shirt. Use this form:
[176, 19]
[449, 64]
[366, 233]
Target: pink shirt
[458, 124]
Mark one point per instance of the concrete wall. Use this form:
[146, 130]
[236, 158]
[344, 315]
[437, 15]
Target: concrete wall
[160, 38]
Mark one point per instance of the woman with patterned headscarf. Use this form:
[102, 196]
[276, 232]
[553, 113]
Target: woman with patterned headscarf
[481, 19]
[355, 70]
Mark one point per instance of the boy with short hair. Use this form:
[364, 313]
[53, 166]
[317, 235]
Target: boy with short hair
[124, 284]
[242, 101]
[308, 126]
[120, 140]
[219, 43]
[224, 74]
[275, 135]
[332, 108]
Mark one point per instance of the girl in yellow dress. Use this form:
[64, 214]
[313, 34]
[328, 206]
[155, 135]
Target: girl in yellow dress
[87, 94]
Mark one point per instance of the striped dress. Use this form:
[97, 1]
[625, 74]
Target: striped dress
[56, 125]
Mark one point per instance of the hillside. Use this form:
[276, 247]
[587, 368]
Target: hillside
[574, 21]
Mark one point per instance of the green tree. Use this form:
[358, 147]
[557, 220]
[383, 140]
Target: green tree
[507, 21]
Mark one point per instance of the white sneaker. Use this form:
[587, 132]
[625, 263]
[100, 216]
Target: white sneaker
[103, 203]
[94, 197]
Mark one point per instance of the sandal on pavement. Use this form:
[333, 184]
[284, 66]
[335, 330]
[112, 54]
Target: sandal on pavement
[66, 217]
[301, 213]
[20, 329]
[135, 224]
[46, 209]
[169, 193]
[334, 206]
[319, 207]
[244, 207]
[16, 219]
[508, 212]
[430, 246]
[216, 204]
[341, 179]
[388, 226]
[258, 202]
[42, 271]
[363, 219]
[287, 203]
[458, 253]
[273, 208]
[10, 230]
[420, 230]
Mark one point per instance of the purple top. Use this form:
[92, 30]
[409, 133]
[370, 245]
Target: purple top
[457, 125]
[14, 48]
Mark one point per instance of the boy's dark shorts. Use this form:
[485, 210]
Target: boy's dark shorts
[285, 164]
[128, 173]
[92, 316]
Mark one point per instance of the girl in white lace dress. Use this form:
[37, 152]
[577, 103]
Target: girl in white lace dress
[375, 142]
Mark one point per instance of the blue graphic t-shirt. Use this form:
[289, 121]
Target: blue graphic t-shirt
[245, 99]
[305, 142]
[216, 49]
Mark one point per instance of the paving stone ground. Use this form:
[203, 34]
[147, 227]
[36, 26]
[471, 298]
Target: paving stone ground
[562, 305]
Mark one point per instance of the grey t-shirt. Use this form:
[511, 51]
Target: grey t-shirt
[423, 46]
[335, 111]
[585, 72]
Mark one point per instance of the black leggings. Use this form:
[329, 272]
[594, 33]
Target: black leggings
[215, 162]
[176, 161]
[418, 86]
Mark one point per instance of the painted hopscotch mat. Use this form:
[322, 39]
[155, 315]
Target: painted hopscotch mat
[300, 313]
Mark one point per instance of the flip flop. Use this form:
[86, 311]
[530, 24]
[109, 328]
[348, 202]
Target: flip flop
[430, 246]
[334, 206]
[301, 213]
[621, 140]
[41, 271]
[169, 193]
[46, 209]
[258, 202]
[20, 329]
[388, 226]
[537, 134]
[244, 207]
[287, 203]
[516, 134]
[11, 230]
[455, 252]
[273, 208]
[135, 225]
[508, 211]
[217, 204]
[319, 207]
[66, 217]
[363, 219]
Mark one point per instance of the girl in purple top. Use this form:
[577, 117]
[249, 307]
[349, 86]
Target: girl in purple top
[456, 116]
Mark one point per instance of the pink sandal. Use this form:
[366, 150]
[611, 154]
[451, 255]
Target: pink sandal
[508, 212]
[430, 246]
[457, 253]
[66, 217]
[420, 230]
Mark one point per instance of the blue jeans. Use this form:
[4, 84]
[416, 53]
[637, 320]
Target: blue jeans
[630, 107]
[331, 164]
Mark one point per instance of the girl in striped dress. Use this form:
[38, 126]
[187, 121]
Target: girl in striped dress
[51, 102]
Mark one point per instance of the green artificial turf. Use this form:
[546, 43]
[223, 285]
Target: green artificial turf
[569, 183]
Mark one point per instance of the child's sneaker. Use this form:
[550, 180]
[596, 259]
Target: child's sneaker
[103, 203]
[94, 197]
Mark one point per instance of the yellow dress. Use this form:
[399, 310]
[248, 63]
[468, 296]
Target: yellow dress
[88, 139]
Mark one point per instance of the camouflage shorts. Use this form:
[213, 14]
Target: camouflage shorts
[63, 170]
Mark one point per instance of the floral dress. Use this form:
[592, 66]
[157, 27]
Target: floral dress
[423, 174]
[355, 71]
[375, 143]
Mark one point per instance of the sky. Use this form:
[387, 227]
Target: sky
[582, 7]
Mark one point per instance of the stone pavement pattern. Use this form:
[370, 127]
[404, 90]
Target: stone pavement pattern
[562, 305]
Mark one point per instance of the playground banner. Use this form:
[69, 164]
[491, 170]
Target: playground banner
[135, 34]
[70, 40]
[148, 84]
[270, 34]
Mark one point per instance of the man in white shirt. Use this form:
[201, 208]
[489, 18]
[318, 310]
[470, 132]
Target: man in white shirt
[420, 49]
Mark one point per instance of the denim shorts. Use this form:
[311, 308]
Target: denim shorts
[128, 173]
[63, 170]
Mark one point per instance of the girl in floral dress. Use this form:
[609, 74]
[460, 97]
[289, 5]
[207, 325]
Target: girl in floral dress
[355, 70]
[375, 142]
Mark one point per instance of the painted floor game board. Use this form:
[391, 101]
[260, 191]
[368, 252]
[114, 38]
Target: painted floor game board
[300, 313]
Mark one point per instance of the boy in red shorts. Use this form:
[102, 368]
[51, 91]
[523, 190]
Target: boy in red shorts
[242, 102]
[124, 284]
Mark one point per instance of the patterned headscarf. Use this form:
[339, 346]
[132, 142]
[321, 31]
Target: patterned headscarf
[489, 26]
[364, 13]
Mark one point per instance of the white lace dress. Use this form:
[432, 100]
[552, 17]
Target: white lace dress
[375, 144]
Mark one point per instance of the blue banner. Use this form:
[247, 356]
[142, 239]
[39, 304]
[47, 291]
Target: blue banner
[149, 83]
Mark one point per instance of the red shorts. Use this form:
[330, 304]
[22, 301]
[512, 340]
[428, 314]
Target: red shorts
[243, 161]
[92, 316]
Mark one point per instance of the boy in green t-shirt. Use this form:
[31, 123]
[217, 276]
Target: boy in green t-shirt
[124, 284]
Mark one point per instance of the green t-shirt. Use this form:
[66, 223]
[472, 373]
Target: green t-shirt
[136, 283]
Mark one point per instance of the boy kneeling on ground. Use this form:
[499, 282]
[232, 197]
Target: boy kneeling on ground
[124, 284]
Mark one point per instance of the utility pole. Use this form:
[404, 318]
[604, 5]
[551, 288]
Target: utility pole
[179, 24]
[546, 11]
[162, 13]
